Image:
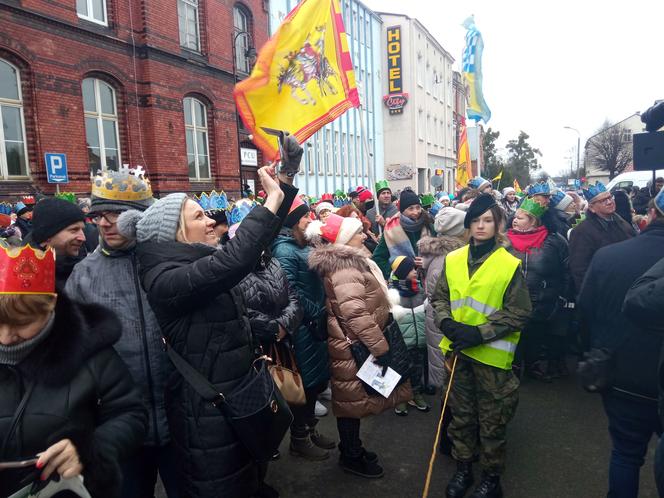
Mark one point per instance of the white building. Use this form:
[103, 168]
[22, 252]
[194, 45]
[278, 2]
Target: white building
[418, 115]
[335, 158]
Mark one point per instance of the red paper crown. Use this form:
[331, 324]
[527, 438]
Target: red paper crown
[24, 270]
[28, 199]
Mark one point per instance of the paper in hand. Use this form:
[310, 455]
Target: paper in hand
[372, 375]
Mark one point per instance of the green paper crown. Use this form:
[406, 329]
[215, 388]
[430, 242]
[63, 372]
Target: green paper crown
[382, 185]
[427, 200]
[67, 196]
[532, 207]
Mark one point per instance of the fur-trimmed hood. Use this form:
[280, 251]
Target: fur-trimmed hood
[331, 258]
[435, 246]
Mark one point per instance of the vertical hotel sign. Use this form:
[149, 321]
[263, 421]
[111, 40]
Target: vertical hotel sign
[396, 99]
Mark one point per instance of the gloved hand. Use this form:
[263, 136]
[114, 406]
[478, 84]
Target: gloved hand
[294, 154]
[466, 336]
[384, 361]
[450, 328]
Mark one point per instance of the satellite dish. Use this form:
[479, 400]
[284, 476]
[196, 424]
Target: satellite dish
[436, 181]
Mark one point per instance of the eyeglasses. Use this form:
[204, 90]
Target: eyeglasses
[607, 201]
[110, 217]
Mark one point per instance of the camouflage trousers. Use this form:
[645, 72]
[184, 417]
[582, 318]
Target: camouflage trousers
[483, 400]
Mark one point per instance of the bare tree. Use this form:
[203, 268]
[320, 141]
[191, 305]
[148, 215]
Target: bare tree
[610, 149]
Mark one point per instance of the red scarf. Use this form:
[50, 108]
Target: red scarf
[527, 241]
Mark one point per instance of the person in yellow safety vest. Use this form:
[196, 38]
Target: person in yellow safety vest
[481, 303]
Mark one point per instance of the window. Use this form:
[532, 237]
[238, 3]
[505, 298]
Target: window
[434, 80]
[101, 125]
[420, 69]
[428, 78]
[435, 132]
[420, 124]
[196, 136]
[428, 128]
[188, 22]
[242, 24]
[92, 10]
[13, 151]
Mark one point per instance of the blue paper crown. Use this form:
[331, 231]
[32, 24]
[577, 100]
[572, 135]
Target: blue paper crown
[435, 208]
[477, 182]
[240, 210]
[6, 208]
[212, 201]
[539, 189]
[339, 202]
[659, 201]
[593, 191]
[556, 197]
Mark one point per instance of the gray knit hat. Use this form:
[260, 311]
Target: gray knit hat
[158, 223]
[449, 221]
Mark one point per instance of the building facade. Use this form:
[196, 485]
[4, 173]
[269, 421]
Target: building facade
[420, 105]
[112, 82]
[349, 151]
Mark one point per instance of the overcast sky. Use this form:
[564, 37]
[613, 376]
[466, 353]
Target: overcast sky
[547, 65]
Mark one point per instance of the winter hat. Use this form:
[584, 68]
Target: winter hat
[408, 198]
[435, 208]
[364, 195]
[508, 190]
[121, 190]
[5, 220]
[84, 202]
[480, 205]
[402, 266]
[478, 183]
[336, 229]
[158, 223]
[560, 200]
[449, 221]
[52, 215]
[297, 210]
[324, 206]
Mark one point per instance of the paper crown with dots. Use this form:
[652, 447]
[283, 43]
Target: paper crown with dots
[126, 184]
[212, 201]
[532, 207]
[26, 270]
[593, 191]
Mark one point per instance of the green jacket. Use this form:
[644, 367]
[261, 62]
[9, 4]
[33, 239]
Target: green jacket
[412, 324]
[516, 303]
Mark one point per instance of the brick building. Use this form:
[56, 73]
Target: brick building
[109, 82]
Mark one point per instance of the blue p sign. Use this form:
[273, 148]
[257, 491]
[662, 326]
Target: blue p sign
[56, 168]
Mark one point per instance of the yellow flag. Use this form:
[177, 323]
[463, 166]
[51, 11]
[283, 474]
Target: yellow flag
[303, 77]
[464, 171]
[498, 177]
[517, 187]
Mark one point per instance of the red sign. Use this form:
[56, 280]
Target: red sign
[395, 102]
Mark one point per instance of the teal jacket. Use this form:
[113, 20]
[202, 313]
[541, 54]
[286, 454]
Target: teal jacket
[310, 353]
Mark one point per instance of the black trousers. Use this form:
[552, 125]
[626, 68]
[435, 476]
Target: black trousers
[140, 472]
[350, 443]
[304, 415]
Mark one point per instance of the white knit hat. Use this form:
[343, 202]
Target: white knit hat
[323, 206]
[449, 221]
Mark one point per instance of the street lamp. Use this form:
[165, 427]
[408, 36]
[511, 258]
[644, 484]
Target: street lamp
[249, 54]
[578, 148]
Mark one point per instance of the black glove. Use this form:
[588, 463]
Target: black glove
[293, 152]
[466, 336]
[451, 328]
[384, 361]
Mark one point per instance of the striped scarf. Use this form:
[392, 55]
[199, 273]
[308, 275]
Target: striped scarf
[396, 239]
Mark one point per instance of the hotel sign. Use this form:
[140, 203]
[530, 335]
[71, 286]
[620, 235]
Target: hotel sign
[396, 99]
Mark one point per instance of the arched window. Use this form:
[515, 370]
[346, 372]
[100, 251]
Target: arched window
[196, 136]
[242, 37]
[13, 150]
[101, 125]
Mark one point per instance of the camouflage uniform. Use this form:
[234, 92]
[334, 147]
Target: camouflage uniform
[484, 398]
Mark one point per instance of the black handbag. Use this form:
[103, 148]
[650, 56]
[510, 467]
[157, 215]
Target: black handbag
[256, 410]
[399, 357]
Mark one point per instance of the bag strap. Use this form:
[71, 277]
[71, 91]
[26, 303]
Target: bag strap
[18, 415]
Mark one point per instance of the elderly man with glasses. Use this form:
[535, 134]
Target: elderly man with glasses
[601, 227]
[109, 277]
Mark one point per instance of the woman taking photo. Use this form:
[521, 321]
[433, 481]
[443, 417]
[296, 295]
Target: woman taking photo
[481, 303]
[66, 397]
[543, 256]
[358, 310]
[190, 282]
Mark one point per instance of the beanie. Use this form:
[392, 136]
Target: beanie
[52, 215]
[364, 195]
[324, 206]
[408, 198]
[402, 266]
[449, 221]
[336, 229]
[480, 205]
[297, 210]
[158, 223]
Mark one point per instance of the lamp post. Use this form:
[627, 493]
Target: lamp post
[249, 53]
[578, 148]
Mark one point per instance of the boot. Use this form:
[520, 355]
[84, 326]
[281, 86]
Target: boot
[489, 487]
[360, 466]
[538, 371]
[319, 440]
[305, 448]
[461, 480]
[369, 456]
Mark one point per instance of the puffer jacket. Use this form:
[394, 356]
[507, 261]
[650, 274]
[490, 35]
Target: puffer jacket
[433, 251]
[270, 301]
[358, 309]
[190, 290]
[110, 278]
[82, 392]
[547, 276]
[310, 352]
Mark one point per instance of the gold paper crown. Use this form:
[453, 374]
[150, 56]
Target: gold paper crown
[126, 184]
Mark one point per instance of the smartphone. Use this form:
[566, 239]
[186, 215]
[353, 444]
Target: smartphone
[281, 138]
[18, 464]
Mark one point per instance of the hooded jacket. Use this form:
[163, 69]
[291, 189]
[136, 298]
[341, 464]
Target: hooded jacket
[82, 391]
[110, 278]
[357, 309]
[433, 251]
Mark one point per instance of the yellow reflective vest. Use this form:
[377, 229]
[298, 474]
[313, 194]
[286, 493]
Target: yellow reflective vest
[472, 300]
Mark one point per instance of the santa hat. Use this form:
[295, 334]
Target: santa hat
[336, 229]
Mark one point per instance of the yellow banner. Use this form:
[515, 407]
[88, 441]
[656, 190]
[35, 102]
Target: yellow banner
[464, 170]
[303, 77]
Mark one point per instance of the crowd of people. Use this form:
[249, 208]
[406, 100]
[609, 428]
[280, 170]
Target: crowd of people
[492, 286]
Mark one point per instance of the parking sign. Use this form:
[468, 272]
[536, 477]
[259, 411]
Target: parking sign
[56, 168]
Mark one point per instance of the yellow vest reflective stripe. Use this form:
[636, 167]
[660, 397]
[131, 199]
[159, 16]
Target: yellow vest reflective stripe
[472, 300]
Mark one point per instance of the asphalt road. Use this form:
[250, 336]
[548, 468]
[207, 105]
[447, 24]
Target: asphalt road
[558, 447]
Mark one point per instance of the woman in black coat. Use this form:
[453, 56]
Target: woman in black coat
[191, 286]
[544, 257]
[83, 414]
